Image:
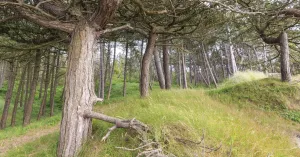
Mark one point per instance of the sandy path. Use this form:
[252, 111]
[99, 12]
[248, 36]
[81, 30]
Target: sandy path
[31, 135]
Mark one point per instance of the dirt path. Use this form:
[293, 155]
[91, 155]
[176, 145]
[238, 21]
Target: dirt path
[31, 135]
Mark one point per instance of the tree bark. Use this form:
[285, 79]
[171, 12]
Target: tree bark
[29, 103]
[166, 65]
[55, 78]
[159, 70]
[45, 96]
[144, 83]
[41, 84]
[184, 80]
[284, 58]
[209, 67]
[28, 81]
[17, 99]
[107, 65]
[179, 71]
[112, 72]
[11, 83]
[125, 68]
[79, 91]
[2, 72]
[101, 73]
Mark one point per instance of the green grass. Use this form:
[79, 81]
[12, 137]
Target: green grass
[185, 114]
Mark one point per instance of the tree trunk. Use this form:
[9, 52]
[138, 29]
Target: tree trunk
[141, 59]
[41, 84]
[232, 59]
[2, 72]
[184, 80]
[45, 96]
[125, 69]
[107, 65]
[29, 103]
[17, 99]
[79, 91]
[284, 58]
[11, 83]
[144, 83]
[159, 70]
[179, 71]
[53, 91]
[112, 72]
[28, 81]
[166, 65]
[209, 67]
[101, 73]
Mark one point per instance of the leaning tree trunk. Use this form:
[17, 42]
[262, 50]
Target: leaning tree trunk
[284, 58]
[144, 83]
[17, 99]
[79, 91]
[29, 103]
[166, 65]
[159, 71]
[11, 83]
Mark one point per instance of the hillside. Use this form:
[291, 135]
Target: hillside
[179, 119]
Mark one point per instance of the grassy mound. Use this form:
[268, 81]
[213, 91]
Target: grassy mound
[177, 117]
[242, 77]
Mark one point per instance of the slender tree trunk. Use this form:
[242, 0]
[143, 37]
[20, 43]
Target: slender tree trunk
[29, 103]
[141, 59]
[112, 72]
[284, 58]
[184, 80]
[101, 67]
[232, 59]
[45, 96]
[11, 82]
[17, 99]
[2, 72]
[55, 82]
[144, 83]
[209, 67]
[166, 65]
[79, 91]
[125, 68]
[41, 84]
[28, 81]
[107, 65]
[159, 70]
[179, 71]
[22, 88]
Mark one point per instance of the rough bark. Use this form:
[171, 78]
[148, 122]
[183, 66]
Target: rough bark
[17, 99]
[144, 83]
[29, 103]
[284, 58]
[28, 81]
[112, 71]
[46, 84]
[41, 84]
[79, 91]
[159, 71]
[166, 65]
[125, 69]
[11, 83]
[55, 77]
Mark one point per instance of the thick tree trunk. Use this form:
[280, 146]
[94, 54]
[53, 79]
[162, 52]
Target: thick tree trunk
[144, 83]
[45, 96]
[159, 70]
[17, 99]
[284, 58]
[55, 78]
[79, 91]
[11, 83]
[125, 69]
[29, 103]
[166, 65]
[112, 71]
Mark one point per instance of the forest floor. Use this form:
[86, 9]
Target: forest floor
[32, 135]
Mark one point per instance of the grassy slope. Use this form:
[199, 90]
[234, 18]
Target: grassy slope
[184, 114]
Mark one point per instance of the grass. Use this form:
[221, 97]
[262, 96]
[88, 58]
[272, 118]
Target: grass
[227, 116]
[185, 114]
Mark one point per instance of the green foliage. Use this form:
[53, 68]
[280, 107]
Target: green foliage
[292, 115]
